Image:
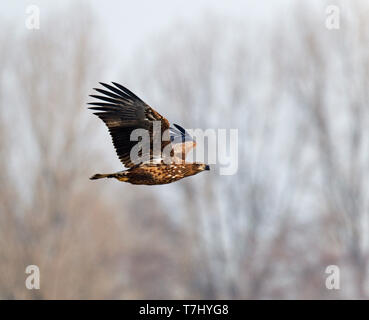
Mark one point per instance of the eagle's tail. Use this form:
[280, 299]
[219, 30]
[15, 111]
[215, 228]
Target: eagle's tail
[100, 176]
[118, 175]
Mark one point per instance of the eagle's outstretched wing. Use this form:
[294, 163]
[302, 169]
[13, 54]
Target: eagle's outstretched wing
[122, 111]
[182, 142]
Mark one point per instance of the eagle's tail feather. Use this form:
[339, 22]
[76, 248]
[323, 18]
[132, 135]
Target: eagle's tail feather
[121, 176]
[100, 176]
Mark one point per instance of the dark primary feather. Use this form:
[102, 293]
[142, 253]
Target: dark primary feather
[180, 128]
[179, 134]
[121, 93]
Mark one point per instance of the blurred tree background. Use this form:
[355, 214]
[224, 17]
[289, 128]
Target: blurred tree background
[296, 91]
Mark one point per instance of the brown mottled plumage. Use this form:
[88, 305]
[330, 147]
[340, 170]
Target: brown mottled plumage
[122, 111]
[152, 174]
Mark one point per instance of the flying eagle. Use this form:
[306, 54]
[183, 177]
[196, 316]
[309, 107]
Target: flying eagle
[123, 112]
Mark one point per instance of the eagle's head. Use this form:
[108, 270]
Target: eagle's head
[198, 167]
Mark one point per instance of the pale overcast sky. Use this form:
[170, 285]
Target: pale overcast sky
[124, 26]
[135, 21]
